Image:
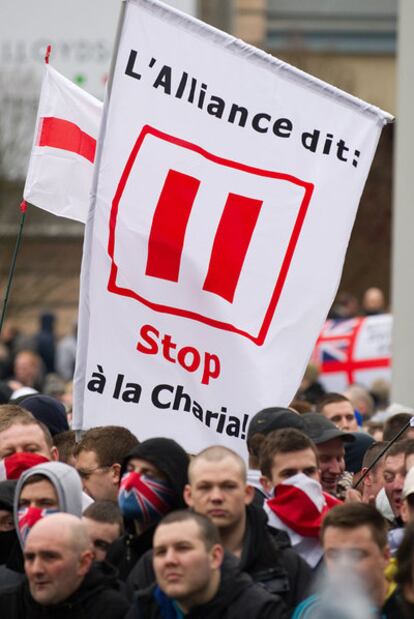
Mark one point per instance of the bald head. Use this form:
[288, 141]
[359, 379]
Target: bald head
[217, 453]
[67, 528]
[57, 556]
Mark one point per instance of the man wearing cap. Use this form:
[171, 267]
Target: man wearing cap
[329, 441]
[264, 422]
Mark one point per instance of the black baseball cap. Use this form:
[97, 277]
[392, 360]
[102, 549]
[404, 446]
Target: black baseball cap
[274, 418]
[321, 430]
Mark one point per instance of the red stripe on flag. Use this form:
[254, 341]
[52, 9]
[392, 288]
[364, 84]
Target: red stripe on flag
[59, 133]
[169, 224]
[329, 367]
[230, 245]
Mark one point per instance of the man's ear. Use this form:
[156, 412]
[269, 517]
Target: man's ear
[266, 483]
[116, 473]
[217, 556]
[85, 561]
[248, 494]
[54, 454]
[187, 494]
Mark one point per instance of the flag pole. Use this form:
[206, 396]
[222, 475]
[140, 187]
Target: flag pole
[23, 209]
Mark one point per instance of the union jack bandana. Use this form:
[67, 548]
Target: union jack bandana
[28, 516]
[144, 499]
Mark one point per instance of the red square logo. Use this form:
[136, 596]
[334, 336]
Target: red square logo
[203, 237]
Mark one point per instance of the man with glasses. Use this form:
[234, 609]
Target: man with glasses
[98, 456]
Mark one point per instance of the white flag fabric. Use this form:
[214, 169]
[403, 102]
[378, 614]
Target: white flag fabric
[226, 190]
[62, 159]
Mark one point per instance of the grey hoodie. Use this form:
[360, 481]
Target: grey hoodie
[66, 482]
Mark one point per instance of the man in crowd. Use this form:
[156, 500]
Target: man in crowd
[265, 421]
[153, 477]
[103, 521]
[394, 476]
[329, 441]
[61, 579]
[20, 432]
[192, 579]
[338, 409]
[99, 456]
[217, 488]
[355, 534]
[290, 469]
[373, 482]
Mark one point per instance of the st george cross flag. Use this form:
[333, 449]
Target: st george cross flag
[60, 171]
[356, 350]
[226, 188]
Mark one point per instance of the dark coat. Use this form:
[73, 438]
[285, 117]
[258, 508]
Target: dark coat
[238, 597]
[96, 598]
[266, 557]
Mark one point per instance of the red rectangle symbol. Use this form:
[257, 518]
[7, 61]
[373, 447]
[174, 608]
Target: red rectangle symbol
[230, 245]
[169, 224]
[59, 133]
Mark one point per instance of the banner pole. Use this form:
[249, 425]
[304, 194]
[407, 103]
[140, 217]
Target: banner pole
[23, 209]
[384, 451]
[83, 315]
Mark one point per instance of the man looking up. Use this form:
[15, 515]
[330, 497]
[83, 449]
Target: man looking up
[192, 579]
[61, 580]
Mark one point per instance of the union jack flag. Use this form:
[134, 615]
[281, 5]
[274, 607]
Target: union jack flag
[143, 495]
[336, 350]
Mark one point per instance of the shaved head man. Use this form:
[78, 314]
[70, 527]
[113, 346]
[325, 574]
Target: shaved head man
[61, 576]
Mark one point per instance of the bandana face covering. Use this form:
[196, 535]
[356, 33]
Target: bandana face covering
[28, 516]
[17, 463]
[144, 499]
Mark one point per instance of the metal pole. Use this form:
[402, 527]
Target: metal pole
[23, 208]
[403, 215]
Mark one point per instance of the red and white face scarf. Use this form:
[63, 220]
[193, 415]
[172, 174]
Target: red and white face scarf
[298, 507]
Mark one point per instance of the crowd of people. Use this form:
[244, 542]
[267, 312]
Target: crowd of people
[319, 522]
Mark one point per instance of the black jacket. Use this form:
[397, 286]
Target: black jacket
[126, 551]
[266, 557]
[238, 597]
[96, 598]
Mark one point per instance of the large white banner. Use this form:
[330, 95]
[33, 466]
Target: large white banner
[226, 191]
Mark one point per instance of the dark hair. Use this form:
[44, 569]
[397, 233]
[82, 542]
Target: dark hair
[353, 515]
[105, 511]
[35, 479]
[65, 443]
[282, 441]
[110, 443]
[394, 424]
[372, 452]
[208, 531]
[332, 398]
[405, 557]
[400, 447]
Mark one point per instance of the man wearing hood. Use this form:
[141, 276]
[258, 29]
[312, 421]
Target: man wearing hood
[44, 489]
[192, 580]
[153, 477]
[41, 490]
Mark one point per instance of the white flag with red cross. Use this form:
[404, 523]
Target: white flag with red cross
[226, 189]
[61, 163]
